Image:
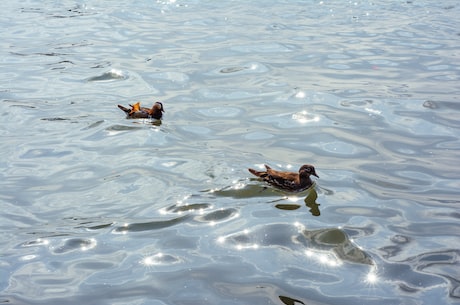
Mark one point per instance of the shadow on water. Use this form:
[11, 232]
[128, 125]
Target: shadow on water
[241, 190]
[337, 241]
[330, 247]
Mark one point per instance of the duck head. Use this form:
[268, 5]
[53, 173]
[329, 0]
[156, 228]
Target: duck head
[157, 110]
[307, 170]
[159, 105]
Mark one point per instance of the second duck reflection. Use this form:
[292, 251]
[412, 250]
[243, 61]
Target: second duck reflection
[256, 190]
[310, 202]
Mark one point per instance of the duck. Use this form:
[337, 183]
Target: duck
[138, 112]
[287, 181]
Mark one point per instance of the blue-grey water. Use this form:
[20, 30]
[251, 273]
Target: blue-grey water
[99, 209]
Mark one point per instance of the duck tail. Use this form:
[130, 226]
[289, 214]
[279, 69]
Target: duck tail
[127, 110]
[256, 173]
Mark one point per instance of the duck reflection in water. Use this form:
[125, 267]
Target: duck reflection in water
[310, 202]
[290, 301]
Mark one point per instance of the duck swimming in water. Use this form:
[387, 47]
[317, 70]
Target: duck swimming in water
[138, 112]
[287, 181]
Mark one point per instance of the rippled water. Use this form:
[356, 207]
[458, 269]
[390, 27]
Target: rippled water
[98, 209]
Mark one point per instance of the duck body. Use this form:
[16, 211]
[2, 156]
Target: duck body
[287, 181]
[138, 112]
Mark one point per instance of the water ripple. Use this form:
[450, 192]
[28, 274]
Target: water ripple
[218, 216]
[75, 244]
[112, 75]
[150, 225]
[220, 112]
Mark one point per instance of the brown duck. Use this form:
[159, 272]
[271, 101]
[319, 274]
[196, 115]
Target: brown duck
[287, 181]
[138, 112]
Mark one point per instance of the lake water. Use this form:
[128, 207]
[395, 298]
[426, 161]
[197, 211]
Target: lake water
[99, 209]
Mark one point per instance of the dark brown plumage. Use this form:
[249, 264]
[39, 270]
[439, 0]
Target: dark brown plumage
[288, 181]
[138, 112]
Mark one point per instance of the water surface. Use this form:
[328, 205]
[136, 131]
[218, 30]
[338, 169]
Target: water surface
[98, 209]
